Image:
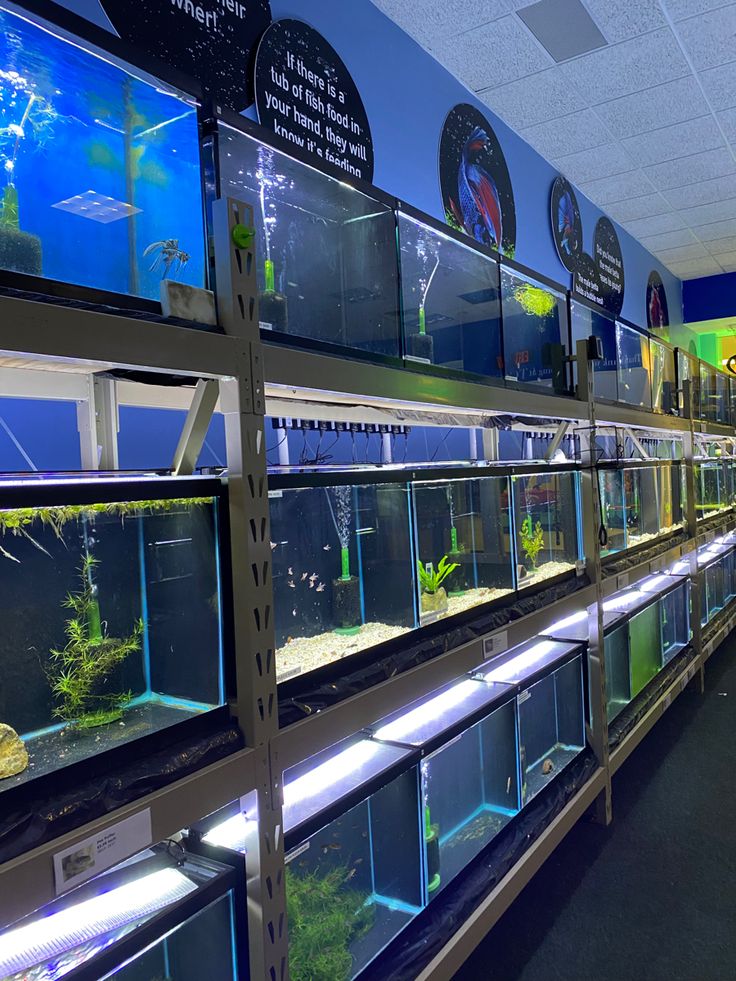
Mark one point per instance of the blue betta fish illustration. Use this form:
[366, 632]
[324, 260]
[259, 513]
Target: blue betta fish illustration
[480, 208]
[566, 224]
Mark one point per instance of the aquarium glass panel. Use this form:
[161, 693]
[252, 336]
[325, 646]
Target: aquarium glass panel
[640, 503]
[551, 726]
[325, 252]
[343, 572]
[611, 485]
[462, 526]
[688, 376]
[587, 323]
[111, 620]
[101, 178]
[710, 488]
[645, 647]
[715, 593]
[618, 681]
[354, 885]
[546, 523]
[470, 791]
[723, 412]
[451, 305]
[534, 332]
[708, 393]
[675, 613]
[634, 367]
[664, 378]
[668, 489]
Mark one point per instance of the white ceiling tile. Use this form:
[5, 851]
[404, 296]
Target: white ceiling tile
[619, 188]
[646, 206]
[720, 85]
[631, 66]
[683, 253]
[728, 262]
[493, 54]
[716, 230]
[709, 38]
[680, 9]
[705, 214]
[694, 268]
[653, 226]
[722, 246]
[591, 165]
[672, 142]
[622, 19]
[534, 99]
[429, 19]
[578, 131]
[719, 189]
[668, 240]
[688, 170]
[727, 119]
[664, 105]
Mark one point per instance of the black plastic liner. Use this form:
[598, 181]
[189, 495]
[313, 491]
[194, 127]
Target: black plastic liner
[629, 560]
[45, 818]
[425, 936]
[638, 708]
[309, 698]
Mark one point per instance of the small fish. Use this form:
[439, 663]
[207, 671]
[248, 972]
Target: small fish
[273, 545]
[304, 576]
[293, 612]
[508, 786]
[358, 861]
[311, 583]
[291, 584]
[350, 875]
[321, 588]
[334, 847]
[327, 548]
[290, 571]
[314, 577]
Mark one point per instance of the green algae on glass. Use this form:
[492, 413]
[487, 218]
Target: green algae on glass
[534, 301]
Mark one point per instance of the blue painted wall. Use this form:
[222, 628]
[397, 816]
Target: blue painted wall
[710, 298]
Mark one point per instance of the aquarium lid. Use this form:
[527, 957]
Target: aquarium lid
[53, 490]
[525, 664]
[572, 627]
[438, 718]
[661, 583]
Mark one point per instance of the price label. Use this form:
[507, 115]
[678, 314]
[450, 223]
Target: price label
[99, 852]
[496, 644]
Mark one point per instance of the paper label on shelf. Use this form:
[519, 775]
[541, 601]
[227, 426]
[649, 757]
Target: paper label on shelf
[580, 567]
[291, 673]
[496, 644]
[411, 357]
[296, 852]
[265, 326]
[524, 696]
[101, 851]
[273, 494]
[623, 580]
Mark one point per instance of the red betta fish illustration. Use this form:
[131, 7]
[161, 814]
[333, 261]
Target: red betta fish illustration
[480, 208]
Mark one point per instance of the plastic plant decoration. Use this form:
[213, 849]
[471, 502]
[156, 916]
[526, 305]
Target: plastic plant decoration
[89, 657]
[431, 578]
[534, 300]
[325, 916]
[532, 539]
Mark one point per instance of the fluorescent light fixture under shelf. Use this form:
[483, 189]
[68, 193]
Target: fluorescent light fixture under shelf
[329, 773]
[231, 833]
[516, 667]
[559, 625]
[406, 725]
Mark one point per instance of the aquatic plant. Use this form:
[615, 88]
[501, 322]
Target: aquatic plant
[430, 578]
[532, 539]
[534, 300]
[325, 916]
[86, 662]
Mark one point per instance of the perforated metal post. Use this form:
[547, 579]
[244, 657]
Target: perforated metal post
[243, 405]
[98, 425]
[689, 448]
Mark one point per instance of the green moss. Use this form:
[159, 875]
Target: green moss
[534, 301]
[325, 917]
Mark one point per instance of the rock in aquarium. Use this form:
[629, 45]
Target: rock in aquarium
[13, 755]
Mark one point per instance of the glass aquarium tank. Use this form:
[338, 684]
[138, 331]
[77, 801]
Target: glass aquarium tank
[713, 394]
[547, 524]
[551, 709]
[163, 914]
[586, 322]
[535, 330]
[639, 503]
[325, 251]
[664, 377]
[343, 575]
[464, 549]
[467, 733]
[711, 488]
[675, 610]
[451, 306]
[688, 380]
[634, 366]
[101, 183]
[110, 602]
[354, 875]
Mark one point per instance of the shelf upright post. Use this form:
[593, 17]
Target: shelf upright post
[689, 447]
[243, 405]
[592, 523]
[98, 425]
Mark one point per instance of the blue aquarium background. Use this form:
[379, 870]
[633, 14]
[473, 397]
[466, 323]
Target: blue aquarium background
[96, 166]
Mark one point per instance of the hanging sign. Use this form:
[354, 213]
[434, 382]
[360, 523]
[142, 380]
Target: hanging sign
[567, 227]
[305, 95]
[657, 313]
[610, 264]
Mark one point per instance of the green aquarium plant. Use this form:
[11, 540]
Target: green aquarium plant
[433, 597]
[534, 300]
[532, 539]
[84, 666]
[325, 916]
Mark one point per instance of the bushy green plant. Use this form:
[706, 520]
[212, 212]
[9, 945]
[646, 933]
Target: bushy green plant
[84, 665]
[532, 539]
[430, 579]
[325, 916]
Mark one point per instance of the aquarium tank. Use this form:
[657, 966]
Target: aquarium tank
[111, 611]
[535, 329]
[664, 377]
[100, 181]
[546, 519]
[325, 251]
[688, 381]
[354, 874]
[451, 307]
[714, 394]
[586, 322]
[467, 734]
[343, 575]
[675, 612]
[639, 503]
[464, 549]
[633, 367]
[163, 914]
[711, 488]
[551, 706]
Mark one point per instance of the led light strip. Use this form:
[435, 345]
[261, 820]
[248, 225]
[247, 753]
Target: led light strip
[44, 939]
[329, 773]
[517, 667]
[230, 834]
[405, 725]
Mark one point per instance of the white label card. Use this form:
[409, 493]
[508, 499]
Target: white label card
[496, 644]
[99, 852]
[296, 852]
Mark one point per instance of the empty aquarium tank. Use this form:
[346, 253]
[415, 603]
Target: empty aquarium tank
[450, 295]
[639, 503]
[100, 182]
[163, 914]
[546, 519]
[711, 488]
[586, 322]
[463, 541]
[633, 366]
[325, 251]
[343, 575]
[111, 612]
[534, 330]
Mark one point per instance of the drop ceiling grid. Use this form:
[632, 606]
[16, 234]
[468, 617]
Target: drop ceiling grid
[645, 126]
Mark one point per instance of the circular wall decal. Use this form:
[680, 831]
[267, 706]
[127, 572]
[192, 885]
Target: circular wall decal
[587, 280]
[474, 180]
[657, 312]
[610, 262]
[306, 95]
[567, 227]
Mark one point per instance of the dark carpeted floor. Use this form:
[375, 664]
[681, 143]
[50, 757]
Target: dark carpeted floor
[653, 897]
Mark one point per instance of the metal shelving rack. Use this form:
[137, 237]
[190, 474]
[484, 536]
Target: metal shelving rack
[50, 351]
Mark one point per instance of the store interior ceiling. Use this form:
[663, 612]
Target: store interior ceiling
[634, 101]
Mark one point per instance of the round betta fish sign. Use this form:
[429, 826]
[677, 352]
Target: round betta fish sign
[657, 313]
[211, 40]
[305, 95]
[474, 180]
[567, 227]
[610, 262]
